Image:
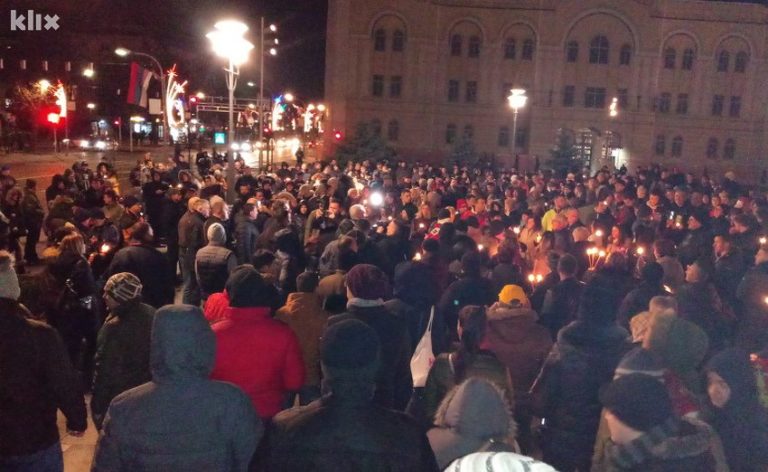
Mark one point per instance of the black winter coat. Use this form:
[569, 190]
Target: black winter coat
[150, 266]
[463, 292]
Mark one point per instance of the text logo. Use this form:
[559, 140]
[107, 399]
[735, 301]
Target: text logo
[31, 21]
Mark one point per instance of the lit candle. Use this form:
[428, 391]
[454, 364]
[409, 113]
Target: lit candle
[516, 230]
[766, 300]
[480, 247]
[668, 288]
[599, 233]
[417, 257]
[539, 278]
[531, 278]
[105, 248]
[763, 240]
[421, 225]
[389, 218]
[640, 251]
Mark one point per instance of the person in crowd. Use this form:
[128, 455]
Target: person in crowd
[752, 326]
[180, 420]
[37, 380]
[647, 435]
[258, 354]
[191, 239]
[214, 262]
[698, 302]
[561, 302]
[474, 416]
[246, 233]
[122, 349]
[367, 288]
[730, 268]
[674, 274]
[637, 300]
[34, 213]
[333, 283]
[735, 412]
[303, 312]
[112, 207]
[347, 429]
[640, 323]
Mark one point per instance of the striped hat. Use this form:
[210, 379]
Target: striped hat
[498, 462]
[123, 287]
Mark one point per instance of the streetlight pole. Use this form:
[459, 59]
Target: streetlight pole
[517, 99]
[261, 92]
[126, 52]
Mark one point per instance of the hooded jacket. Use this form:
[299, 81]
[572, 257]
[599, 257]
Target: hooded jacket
[181, 420]
[680, 345]
[304, 314]
[473, 416]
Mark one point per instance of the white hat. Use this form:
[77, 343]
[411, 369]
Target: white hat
[498, 462]
[9, 282]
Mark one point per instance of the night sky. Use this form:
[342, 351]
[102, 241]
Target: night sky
[176, 30]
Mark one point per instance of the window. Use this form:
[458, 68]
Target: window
[625, 55]
[456, 45]
[665, 102]
[741, 62]
[712, 145]
[717, 105]
[510, 48]
[670, 56]
[528, 50]
[474, 47]
[723, 61]
[572, 52]
[688, 56]
[380, 40]
[503, 136]
[682, 104]
[471, 92]
[378, 86]
[569, 96]
[594, 97]
[393, 130]
[735, 109]
[729, 150]
[469, 132]
[376, 127]
[521, 138]
[395, 86]
[623, 95]
[398, 41]
[598, 50]
[661, 145]
[453, 90]
[677, 146]
[450, 134]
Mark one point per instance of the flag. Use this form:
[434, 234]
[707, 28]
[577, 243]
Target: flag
[138, 85]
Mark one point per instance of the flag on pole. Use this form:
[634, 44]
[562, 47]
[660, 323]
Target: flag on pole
[138, 85]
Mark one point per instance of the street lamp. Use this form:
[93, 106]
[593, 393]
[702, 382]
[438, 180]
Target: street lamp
[123, 52]
[228, 42]
[517, 99]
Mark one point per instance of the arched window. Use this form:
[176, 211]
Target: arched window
[661, 145]
[473, 49]
[510, 48]
[670, 57]
[450, 134]
[729, 150]
[723, 61]
[712, 145]
[741, 62]
[598, 50]
[376, 127]
[456, 41]
[469, 132]
[503, 140]
[625, 55]
[677, 146]
[688, 56]
[393, 130]
[379, 40]
[572, 51]
[398, 41]
[528, 49]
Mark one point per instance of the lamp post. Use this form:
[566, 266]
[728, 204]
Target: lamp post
[517, 99]
[262, 52]
[123, 52]
[228, 42]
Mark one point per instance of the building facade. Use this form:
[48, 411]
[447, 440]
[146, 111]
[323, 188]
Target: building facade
[686, 77]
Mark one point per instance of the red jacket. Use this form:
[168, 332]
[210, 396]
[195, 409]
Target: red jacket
[259, 355]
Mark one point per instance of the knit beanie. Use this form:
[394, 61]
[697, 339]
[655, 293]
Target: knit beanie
[510, 293]
[246, 288]
[640, 361]
[498, 462]
[9, 282]
[123, 287]
[216, 234]
[680, 344]
[368, 282]
[350, 349]
[638, 400]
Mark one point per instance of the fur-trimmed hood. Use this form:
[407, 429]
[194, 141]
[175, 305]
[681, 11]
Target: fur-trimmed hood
[501, 311]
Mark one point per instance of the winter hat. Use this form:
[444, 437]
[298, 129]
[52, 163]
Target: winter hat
[652, 273]
[596, 306]
[680, 345]
[9, 281]
[512, 293]
[638, 400]
[217, 234]
[246, 288]
[498, 462]
[733, 366]
[640, 361]
[349, 344]
[123, 287]
[368, 282]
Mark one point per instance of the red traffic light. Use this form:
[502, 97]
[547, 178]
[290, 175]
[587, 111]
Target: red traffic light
[53, 118]
[337, 135]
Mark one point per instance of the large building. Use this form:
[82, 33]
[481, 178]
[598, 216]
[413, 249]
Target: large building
[687, 77]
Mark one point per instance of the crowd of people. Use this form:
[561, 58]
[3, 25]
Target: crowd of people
[613, 321]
